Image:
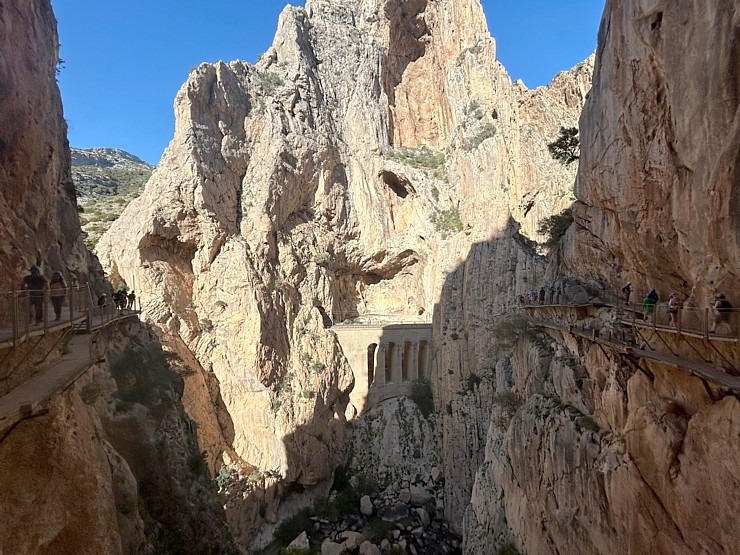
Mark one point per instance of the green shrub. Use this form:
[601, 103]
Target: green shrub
[270, 82]
[90, 393]
[487, 131]
[508, 549]
[290, 529]
[197, 464]
[555, 226]
[224, 476]
[448, 221]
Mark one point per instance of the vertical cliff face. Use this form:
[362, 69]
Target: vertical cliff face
[38, 211]
[587, 448]
[347, 173]
[112, 467]
[658, 179]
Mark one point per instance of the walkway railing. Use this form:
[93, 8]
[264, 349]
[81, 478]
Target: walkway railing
[709, 323]
[28, 313]
[24, 313]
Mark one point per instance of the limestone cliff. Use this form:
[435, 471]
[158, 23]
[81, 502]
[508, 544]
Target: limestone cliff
[347, 173]
[588, 448]
[112, 467]
[38, 212]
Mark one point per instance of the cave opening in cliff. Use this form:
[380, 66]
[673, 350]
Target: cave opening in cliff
[400, 186]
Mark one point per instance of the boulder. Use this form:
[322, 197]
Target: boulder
[366, 505]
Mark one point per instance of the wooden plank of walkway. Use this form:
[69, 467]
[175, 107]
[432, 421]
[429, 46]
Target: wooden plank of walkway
[6, 333]
[702, 370]
[30, 398]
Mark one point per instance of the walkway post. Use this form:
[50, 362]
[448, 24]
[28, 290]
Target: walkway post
[71, 304]
[15, 319]
[706, 323]
[46, 310]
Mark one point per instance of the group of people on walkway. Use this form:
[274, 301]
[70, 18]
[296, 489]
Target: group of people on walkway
[722, 308]
[37, 285]
[545, 295]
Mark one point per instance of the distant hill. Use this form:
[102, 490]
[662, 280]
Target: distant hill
[102, 172]
[106, 180]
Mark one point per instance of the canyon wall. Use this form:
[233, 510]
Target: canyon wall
[588, 448]
[112, 466]
[347, 173]
[38, 213]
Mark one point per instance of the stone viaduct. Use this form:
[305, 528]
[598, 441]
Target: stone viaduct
[386, 359]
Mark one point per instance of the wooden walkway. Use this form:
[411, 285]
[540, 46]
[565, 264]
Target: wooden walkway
[700, 369]
[32, 397]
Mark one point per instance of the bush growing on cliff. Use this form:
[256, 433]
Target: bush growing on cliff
[554, 227]
[566, 149]
[270, 82]
[447, 221]
[486, 132]
[291, 528]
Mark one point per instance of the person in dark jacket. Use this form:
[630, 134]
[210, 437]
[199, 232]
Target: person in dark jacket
[35, 283]
[649, 302]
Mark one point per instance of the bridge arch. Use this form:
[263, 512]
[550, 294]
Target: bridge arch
[371, 364]
[406, 362]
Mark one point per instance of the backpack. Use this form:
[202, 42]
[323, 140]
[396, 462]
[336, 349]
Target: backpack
[724, 306]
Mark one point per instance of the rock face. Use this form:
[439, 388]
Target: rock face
[38, 213]
[296, 193]
[658, 179]
[587, 449]
[112, 467]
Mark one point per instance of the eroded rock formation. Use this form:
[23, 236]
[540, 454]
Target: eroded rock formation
[38, 212]
[347, 173]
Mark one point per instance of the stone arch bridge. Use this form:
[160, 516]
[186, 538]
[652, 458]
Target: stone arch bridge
[386, 359]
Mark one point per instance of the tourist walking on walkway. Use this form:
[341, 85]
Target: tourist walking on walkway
[131, 300]
[626, 292]
[675, 304]
[58, 292]
[542, 295]
[722, 312]
[648, 303]
[36, 284]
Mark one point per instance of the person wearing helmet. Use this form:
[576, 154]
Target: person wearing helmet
[58, 291]
[35, 283]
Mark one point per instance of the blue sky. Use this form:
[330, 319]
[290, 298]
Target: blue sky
[125, 61]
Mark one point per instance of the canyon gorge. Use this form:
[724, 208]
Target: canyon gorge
[329, 260]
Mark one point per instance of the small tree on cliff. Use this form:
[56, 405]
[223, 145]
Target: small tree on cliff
[554, 227]
[567, 148]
